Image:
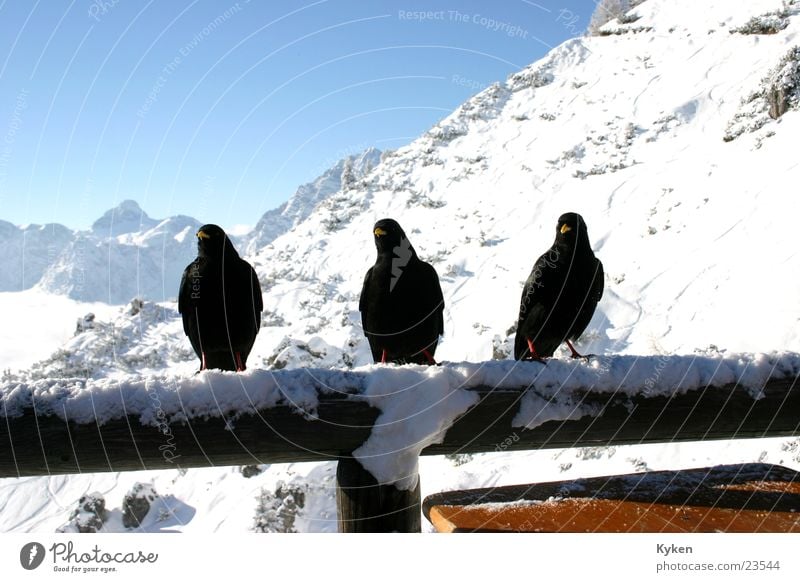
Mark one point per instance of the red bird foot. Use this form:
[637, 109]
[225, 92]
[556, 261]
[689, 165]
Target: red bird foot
[429, 357]
[532, 355]
[575, 353]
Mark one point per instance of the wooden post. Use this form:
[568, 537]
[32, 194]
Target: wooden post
[366, 506]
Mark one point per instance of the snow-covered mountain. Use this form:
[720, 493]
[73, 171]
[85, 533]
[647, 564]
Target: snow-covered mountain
[127, 254]
[344, 173]
[657, 131]
[126, 218]
[144, 258]
[672, 131]
[27, 252]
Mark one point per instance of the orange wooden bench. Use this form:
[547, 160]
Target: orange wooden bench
[727, 498]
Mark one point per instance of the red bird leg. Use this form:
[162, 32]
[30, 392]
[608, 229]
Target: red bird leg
[383, 357]
[575, 353]
[428, 355]
[532, 353]
[239, 363]
[202, 360]
[532, 349]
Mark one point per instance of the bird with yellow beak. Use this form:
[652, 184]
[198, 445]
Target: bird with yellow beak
[401, 300]
[220, 302]
[561, 294]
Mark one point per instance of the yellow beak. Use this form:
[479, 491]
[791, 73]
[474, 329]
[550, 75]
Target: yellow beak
[202, 234]
[565, 229]
[379, 232]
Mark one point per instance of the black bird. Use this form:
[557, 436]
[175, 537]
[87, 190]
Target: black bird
[561, 293]
[401, 301]
[220, 301]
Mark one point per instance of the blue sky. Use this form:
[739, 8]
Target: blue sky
[219, 110]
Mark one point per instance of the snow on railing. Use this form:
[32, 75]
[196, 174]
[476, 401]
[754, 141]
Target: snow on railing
[386, 416]
[399, 411]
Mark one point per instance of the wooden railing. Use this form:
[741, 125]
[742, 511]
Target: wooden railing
[33, 444]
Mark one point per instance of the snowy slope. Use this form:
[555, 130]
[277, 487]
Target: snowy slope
[627, 129]
[299, 207]
[639, 131]
[48, 322]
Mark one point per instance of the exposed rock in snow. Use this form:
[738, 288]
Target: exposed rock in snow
[88, 517]
[137, 503]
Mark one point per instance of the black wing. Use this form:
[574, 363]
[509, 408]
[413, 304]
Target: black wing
[539, 296]
[257, 298]
[435, 297]
[363, 306]
[537, 314]
[186, 306]
[363, 300]
[590, 302]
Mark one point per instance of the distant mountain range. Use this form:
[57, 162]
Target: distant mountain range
[127, 254]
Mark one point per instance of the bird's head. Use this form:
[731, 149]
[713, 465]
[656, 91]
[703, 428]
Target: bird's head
[212, 241]
[389, 237]
[571, 228]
